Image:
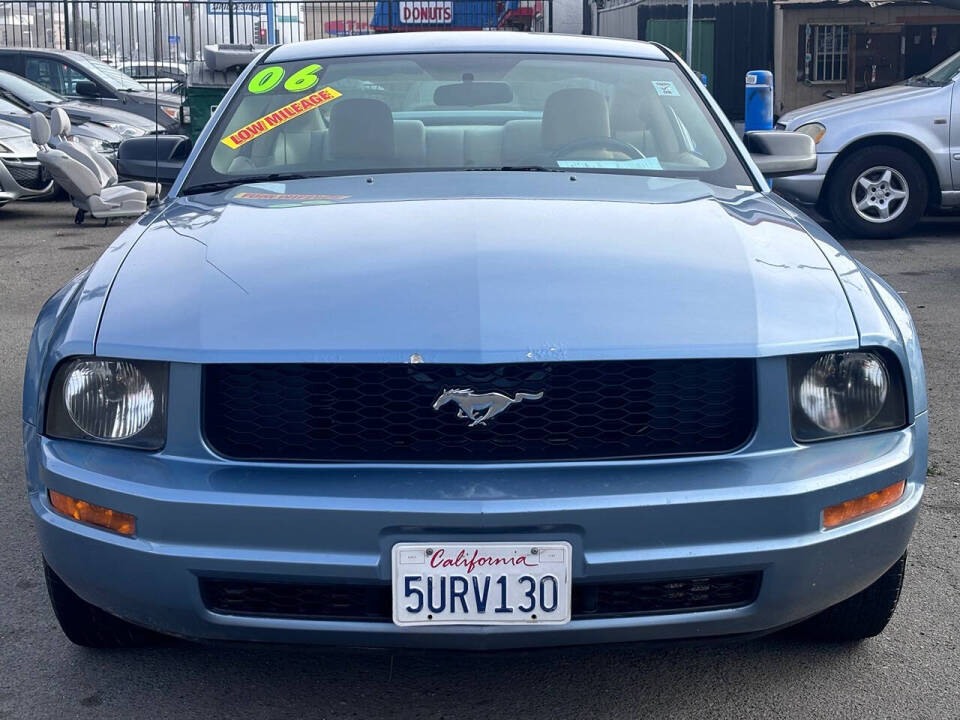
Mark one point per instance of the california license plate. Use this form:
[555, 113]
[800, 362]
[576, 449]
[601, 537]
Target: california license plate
[481, 583]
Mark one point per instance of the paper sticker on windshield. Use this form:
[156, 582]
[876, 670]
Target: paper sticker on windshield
[665, 88]
[278, 117]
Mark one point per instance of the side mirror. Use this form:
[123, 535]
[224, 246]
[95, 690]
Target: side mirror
[86, 88]
[154, 157]
[778, 153]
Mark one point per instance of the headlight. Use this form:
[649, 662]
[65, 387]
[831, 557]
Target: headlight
[92, 143]
[171, 112]
[20, 146]
[125, 130]
[814, 130]
[121, 402]
[845, 393]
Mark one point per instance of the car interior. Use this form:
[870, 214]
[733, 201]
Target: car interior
[363, 132]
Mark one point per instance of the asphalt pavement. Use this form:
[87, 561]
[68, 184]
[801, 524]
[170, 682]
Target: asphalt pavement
[911, 671]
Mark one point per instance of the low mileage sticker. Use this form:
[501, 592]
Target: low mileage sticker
[276, 118]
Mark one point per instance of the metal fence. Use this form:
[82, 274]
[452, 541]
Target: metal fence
[172, 31]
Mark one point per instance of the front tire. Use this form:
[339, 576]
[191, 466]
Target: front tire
[89, 626]
[878, 192]
[862, 616]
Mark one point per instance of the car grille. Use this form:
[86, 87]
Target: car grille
[28, 174]
[371, 603]
[384, 412]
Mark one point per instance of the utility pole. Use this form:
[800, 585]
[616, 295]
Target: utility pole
[689, 33]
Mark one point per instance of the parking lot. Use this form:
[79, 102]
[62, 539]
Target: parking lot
[911, 671]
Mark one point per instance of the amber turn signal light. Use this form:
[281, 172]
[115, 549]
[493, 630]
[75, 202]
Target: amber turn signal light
[852, 509]
[104, 517]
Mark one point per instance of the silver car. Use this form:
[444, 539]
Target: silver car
[884, 156]
[20, 173]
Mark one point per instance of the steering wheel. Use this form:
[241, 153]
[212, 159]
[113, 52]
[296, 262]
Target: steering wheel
[604, 143]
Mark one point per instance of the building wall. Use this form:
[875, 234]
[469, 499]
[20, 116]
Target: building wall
[790, 89]
[731, 37]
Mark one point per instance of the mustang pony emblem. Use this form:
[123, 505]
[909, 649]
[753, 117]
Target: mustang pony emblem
[473, 404]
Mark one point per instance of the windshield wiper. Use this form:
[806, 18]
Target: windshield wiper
[922, 80]
[247, 180]
[518, 168]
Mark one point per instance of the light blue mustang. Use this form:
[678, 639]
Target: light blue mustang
[677, 408]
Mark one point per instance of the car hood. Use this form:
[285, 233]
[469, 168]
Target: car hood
[85, 112]
[660, 268]
[10, 130]
[149, 97]
[865, 101]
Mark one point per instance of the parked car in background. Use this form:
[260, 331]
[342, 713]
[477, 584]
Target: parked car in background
[884, 157]
[473, 340]
[21, 176]
[81, 77]
[165, 76]
[95, 136]
[40, 99]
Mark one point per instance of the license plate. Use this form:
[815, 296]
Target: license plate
[481, 583]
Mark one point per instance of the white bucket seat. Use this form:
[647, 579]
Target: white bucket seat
[99, 165]
[84, 187]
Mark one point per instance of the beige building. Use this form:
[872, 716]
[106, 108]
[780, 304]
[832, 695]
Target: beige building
[827, 49]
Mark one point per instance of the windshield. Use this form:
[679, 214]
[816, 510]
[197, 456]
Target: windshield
[467, 111]
[26, 90]
[945, 71]
[116, 79]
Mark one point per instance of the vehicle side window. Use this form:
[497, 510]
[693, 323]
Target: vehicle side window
[70, 76]
[44, 72]
[9, 62]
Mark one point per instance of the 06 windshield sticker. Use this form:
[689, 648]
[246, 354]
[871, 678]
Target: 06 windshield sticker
[279, 116]
[301, 81]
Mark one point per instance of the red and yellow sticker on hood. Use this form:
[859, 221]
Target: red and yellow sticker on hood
[278, 117]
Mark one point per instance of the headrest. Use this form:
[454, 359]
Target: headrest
[39, 129]
[59, 123]
[361, 128]
[574, 114]
[627, 112]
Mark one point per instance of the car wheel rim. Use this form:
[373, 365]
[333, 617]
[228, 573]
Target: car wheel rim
[880, 194]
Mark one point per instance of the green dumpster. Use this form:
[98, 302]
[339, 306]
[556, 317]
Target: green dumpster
[205, 90]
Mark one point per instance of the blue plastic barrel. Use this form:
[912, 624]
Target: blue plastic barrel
[758, 107]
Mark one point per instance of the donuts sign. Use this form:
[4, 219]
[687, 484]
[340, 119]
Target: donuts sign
[427, 12]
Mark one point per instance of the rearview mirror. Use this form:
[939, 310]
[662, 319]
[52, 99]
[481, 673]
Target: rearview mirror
[155, 157]
[85, 88]
[778, 153]
[472, 94]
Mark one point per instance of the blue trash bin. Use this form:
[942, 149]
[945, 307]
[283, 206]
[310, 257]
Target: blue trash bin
[758, 101]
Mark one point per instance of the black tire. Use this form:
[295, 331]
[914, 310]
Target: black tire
[844, 181]
[89, 626]
[862, 616]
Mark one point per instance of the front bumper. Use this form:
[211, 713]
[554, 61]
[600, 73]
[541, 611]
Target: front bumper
[754, 510]
[12, 189]
[805, 189]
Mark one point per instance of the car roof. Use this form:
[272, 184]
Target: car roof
[470, 41]
[42, 51]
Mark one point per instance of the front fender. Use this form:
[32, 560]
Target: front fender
[68, 322]
[882, 317]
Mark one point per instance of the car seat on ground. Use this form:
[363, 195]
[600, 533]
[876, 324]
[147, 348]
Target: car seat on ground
[97, 164]
[84, 187]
